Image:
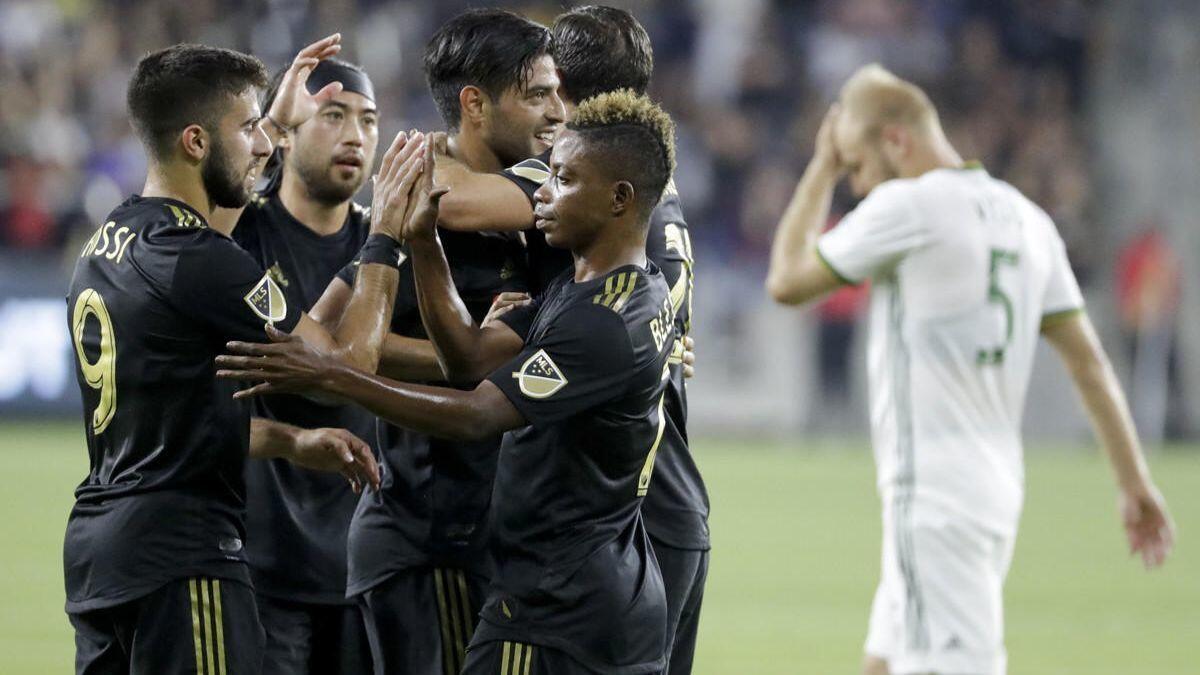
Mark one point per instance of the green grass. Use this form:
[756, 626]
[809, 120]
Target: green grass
[796, 533]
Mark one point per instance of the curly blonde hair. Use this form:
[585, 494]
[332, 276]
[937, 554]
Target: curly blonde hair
[626, 108]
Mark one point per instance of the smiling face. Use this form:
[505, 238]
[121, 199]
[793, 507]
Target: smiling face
[238, 149]
[333, 152]
[523, 122]
[575, 203]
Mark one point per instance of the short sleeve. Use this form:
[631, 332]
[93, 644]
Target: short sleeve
[875, 236]
[583, 360]
[1062, 290]
[218, 283]
[529, 174]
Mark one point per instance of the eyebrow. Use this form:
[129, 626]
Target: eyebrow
[343, 106]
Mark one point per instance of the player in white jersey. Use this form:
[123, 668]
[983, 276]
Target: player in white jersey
[965, 274]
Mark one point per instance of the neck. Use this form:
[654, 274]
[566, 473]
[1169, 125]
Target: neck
[467, 146]
[323, 219]
[181, 184]
[606, 254]
[937, 154]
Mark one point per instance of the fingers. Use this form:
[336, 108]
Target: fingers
[279, 346]
[385, 164]
[327, 92]
[364, 458]
[401, 161]
[323, 48]
[256, 390]
[440, 142]
[508, 297]
[277, 335]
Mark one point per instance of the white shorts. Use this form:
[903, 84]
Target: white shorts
[939, 606]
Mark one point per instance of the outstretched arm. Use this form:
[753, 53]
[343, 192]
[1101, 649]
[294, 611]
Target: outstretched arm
[291, 365]
[1144, 513]
[333, 450]
[797, 274]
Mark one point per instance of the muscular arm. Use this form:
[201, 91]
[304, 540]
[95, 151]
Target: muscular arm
[482, 412]
[480, 201]
[1144, 514]
[467, 353]
[403, 358]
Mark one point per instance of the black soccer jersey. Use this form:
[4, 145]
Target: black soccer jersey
[296, 518]
[432, 507]
[575, 570]
[676, 508]
[155, 296]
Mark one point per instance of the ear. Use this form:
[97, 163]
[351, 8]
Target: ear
[623, 197]
[195, 142]
[473, 104]
[897, 140]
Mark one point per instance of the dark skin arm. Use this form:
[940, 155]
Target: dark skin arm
[333, 450]
[466, 351]
[289, 364]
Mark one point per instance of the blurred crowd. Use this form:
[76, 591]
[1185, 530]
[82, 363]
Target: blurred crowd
[747, 82]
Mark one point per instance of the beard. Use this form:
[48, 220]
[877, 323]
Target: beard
[510, 143]
[223, 183]
[320, 184]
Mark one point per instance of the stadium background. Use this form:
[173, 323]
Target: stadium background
[1092, 109]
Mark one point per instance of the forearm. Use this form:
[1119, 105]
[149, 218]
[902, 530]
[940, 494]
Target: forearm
[799, 229]
[1111, 420]
[480, 201]
[454, 334]
[366, 321]
[436, 411]
[269, 439]
[409, 360]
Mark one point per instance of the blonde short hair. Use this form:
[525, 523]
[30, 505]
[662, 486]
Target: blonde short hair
[875, 96]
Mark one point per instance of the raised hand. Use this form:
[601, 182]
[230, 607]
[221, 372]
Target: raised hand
[293, 105]
[421, 219]
[286, 364]
[337, 450]
[1148, 525]
[401, 165]
[825, 154]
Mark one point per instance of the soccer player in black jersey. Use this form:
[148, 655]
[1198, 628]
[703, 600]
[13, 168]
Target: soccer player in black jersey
[154, 559]
[417, 548]
[303, 228]
[578, 384]
[599, 49]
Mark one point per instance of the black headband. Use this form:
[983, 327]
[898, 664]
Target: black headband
[352, 80]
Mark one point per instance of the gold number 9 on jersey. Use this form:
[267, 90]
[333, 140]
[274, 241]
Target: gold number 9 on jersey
[102, 373]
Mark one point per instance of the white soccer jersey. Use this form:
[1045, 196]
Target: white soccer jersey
[963, 270]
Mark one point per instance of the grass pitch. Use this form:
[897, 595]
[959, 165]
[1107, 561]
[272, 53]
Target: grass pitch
[796, 535]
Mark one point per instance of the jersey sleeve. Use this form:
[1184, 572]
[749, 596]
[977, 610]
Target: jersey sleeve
[1062, 294]
[218, 283]
[583, 360]
[875, 236]
[529, 174]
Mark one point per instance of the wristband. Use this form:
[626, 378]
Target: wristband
[382, 250]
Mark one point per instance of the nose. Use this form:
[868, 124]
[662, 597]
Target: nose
[355, 135]
[556, 112]
[542, 194]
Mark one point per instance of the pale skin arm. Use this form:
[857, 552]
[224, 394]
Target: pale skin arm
[1148, 525]
[797, 274]
[332, 450]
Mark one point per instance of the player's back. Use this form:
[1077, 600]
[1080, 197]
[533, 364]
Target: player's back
[955, 318]
[166, 442]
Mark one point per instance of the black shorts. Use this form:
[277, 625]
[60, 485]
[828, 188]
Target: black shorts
[515, 658]
[194, 626]
[420, 621]
[313, 639]
[684, 573]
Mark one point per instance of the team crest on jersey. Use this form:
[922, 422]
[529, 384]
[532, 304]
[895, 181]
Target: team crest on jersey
[266, 300]
[540, 377]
